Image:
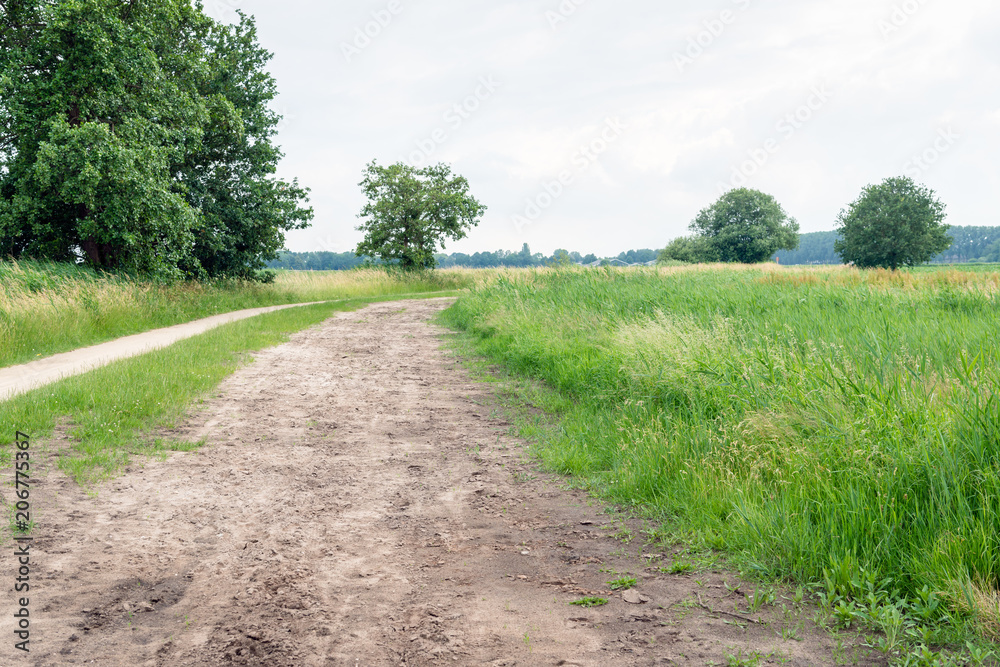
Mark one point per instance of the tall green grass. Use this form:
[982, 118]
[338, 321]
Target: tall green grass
[819, 425]
[47, 308]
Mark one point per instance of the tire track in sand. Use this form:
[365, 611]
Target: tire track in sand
[358, 504]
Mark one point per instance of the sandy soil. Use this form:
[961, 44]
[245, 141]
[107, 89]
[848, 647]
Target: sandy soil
[359, 502]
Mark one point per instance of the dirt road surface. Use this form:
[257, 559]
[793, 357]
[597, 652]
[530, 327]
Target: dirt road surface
[359, 502]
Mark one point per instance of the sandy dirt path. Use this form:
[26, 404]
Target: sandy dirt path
[359, 502]
[23, 378]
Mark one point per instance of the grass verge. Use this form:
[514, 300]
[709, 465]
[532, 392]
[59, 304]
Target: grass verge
[834, 428]
[47, 308]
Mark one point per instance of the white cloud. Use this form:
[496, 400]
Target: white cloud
[687, 129]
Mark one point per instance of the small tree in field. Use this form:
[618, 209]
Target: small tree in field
[410, 211]
[745, 226]
[893, 224]
[560, 257]
[689, 249]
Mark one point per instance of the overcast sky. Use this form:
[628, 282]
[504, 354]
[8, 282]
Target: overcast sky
[646, 110]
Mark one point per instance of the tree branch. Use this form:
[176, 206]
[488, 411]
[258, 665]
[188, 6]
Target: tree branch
[719, 611]
[128, 9]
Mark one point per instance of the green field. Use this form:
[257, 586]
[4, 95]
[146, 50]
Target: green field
[825, 426]
[46, 308]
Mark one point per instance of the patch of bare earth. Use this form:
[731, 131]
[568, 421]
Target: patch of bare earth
[358, 503]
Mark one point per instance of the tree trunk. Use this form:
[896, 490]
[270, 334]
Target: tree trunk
[103, 255]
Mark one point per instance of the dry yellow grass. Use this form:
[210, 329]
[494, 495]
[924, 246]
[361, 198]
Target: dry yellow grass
[49, 308]
[982, 601]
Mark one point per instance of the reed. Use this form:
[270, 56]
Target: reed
[828, 426]
[47, 308]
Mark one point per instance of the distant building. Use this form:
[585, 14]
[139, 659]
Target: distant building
[614, 261]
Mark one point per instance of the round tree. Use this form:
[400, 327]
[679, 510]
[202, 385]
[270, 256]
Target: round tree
[410, 211]
[895, 223]
[746, 226]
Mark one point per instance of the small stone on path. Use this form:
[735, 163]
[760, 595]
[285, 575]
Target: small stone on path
[633, 596]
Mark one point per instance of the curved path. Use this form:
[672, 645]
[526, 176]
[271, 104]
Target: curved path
[16, 380]
[359, 502]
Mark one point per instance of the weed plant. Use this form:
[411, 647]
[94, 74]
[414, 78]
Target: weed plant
[834, 427]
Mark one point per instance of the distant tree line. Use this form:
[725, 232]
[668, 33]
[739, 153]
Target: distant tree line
[333, 261]
[814, 248]
[317, 261]
[970, 244]
[412, 212]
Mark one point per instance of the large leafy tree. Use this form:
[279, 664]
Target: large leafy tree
[895, 223]
[229, 178]
[137, 135]
[745, 226]
[410, 211]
